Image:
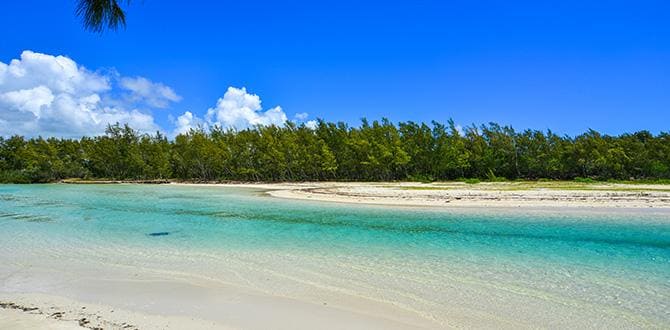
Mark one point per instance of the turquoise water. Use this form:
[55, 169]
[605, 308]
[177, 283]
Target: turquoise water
[617, 265]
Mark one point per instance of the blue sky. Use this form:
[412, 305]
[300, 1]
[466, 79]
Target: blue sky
[566, 65]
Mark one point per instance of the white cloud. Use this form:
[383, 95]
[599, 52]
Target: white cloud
[239, 109]
[154, 94]
[301, 116]
[58, 73]
[311, 124]
[49, 95]
[188, 121]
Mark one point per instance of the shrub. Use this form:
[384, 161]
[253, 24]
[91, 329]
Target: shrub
[584, 180]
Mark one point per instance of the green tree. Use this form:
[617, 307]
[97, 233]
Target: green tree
[378, 150]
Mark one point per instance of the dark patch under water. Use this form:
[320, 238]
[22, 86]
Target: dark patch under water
[25, 217]
[160, 233]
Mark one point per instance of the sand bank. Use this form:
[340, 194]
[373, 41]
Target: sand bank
[459, 194]
[164, 301]
[18, 319]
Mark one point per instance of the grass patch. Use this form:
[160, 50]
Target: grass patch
[584, 180]
[424, 188]
[536, 185]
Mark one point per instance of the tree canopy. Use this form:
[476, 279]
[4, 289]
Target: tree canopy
[374, 151]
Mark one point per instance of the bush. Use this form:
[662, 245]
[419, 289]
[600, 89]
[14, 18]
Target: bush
[421, 178]
[14, 177]
[493, 178]
[584, 180]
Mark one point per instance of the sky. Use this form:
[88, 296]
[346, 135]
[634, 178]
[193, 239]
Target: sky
[562, 65]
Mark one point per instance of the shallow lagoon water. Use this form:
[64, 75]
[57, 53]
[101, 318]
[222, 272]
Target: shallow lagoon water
[448, 266]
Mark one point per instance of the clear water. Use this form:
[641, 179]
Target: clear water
[599, 266]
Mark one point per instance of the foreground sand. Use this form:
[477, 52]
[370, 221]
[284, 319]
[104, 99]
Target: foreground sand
[38, 292]
[171, 303]
[17, 319]
[459, 194]
[42, 311]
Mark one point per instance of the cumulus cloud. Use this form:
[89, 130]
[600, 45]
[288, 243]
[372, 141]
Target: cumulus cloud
[188, 121]
[301, 116]
[237, 109]
[154, 94]
[48, 95]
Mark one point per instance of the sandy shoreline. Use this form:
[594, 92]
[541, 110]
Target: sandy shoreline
[17, 319]
[167, 302]
[458, 194]
[44, 311]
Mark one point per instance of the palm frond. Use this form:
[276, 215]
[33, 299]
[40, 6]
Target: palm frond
[98, 15]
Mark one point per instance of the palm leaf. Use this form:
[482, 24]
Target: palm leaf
[97, 15]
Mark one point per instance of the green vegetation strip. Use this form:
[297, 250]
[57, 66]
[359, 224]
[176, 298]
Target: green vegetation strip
[374, 151]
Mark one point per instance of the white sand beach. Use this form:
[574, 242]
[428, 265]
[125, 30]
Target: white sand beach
[485, 194]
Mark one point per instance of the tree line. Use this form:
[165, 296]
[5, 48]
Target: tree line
[373, 151]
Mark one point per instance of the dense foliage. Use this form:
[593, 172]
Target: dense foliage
[334, 151]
